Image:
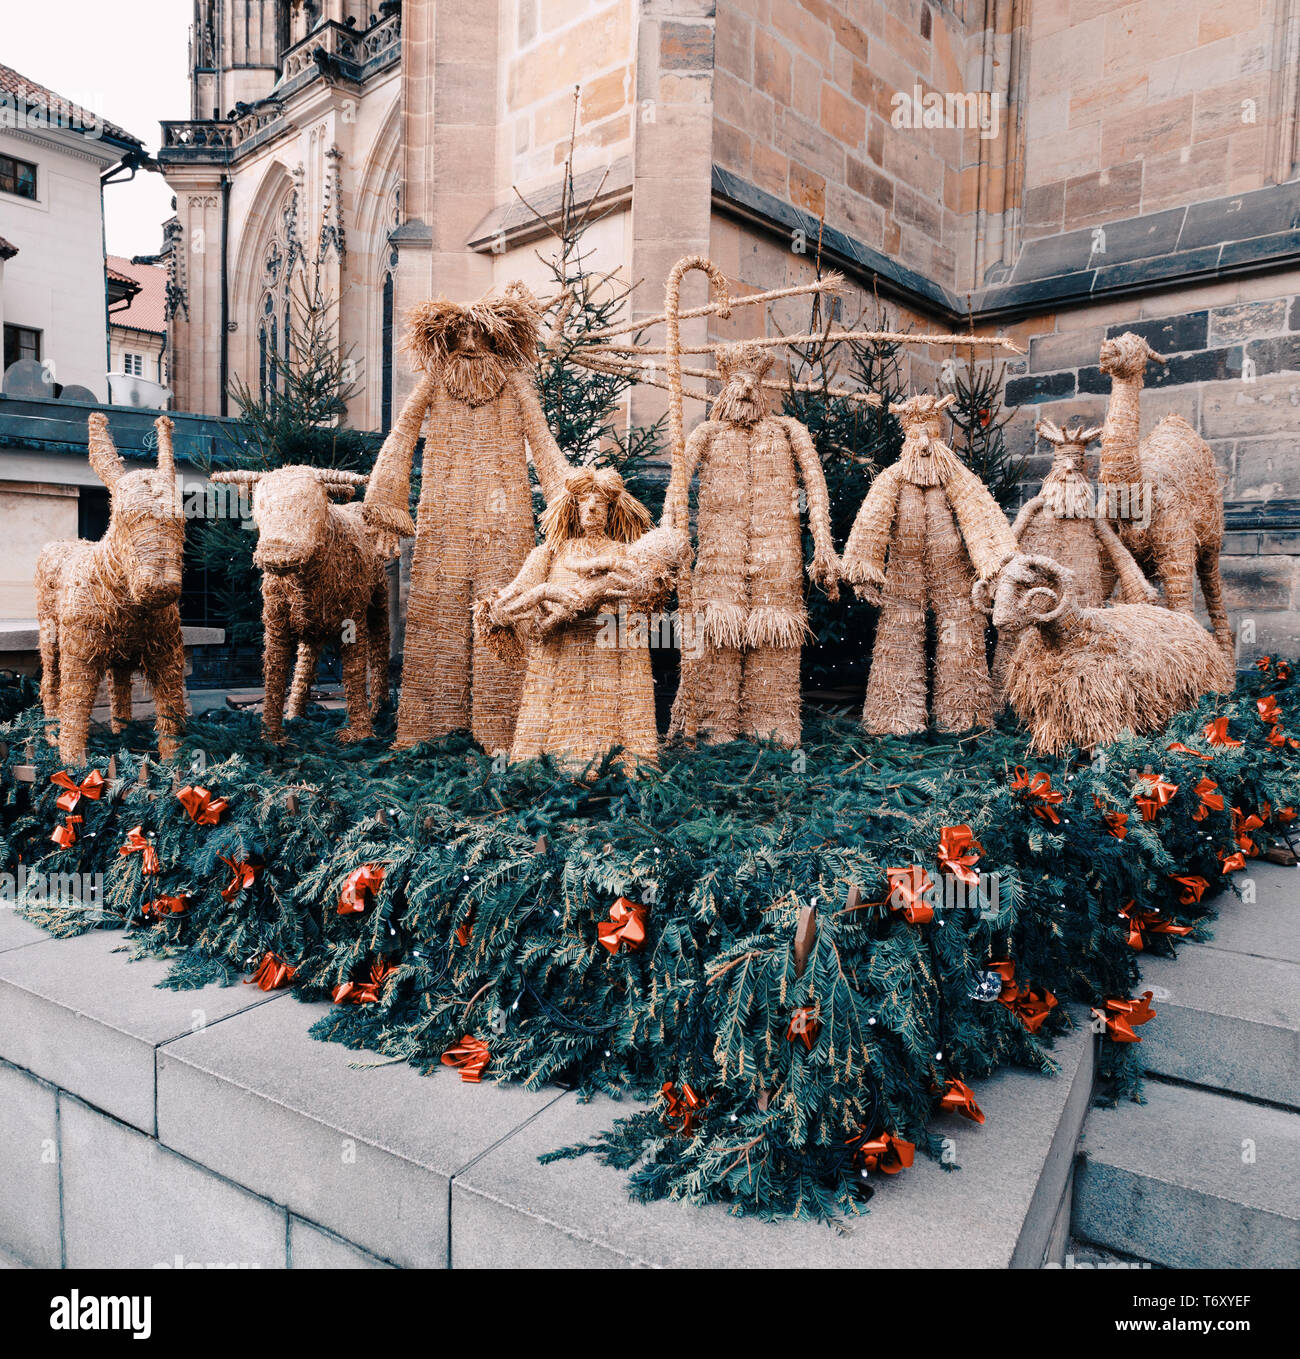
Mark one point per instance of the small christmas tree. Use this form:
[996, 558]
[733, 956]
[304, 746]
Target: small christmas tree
[979, 423]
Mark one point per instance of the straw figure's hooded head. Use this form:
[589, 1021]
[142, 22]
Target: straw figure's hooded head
[291, 509]
[594, 504]
[925, 460]
[1067, 490]
[146, 530]
[473, 347]
[742, 367]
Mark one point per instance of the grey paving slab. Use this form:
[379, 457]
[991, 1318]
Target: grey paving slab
[88, 1019]
[29, 1169]
[310, 1247]
[1192, 1179]
[15, 932]
[507, 1210]
[1226, 1020]
[1269, 926]
[368, 1154]
[131, 1203]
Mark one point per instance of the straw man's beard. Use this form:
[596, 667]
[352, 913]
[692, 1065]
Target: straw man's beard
[1068, 494]
[737, 405]
[475, 377]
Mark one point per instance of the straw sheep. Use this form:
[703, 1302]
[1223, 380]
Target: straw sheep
[1080, 676]
[321, 571]
[114, 606]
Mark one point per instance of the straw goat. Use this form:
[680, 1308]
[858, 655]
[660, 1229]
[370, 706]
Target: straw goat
[114, 606]
[324, 578]
[1080, 676]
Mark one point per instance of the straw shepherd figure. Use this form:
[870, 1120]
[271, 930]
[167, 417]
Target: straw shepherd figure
[114, 606]
[579, 605]
[1174, 471]
[927, 529]
[324, 579]
[481, 416]
[747, 582]
[1081, 676]
[1063, 522]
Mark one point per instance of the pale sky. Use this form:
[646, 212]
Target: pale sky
[126, 62]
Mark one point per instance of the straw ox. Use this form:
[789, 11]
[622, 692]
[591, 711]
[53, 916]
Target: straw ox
[1080, 676]
[114, 606]
[323, 579]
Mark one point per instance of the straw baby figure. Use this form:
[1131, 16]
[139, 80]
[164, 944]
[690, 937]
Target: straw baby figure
[481, 416]
[574, 605]
[114, 606]
[1063, 522]
[927, 529]
[747, 582]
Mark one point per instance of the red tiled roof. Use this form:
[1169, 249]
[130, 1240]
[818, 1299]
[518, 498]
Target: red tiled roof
[147, 308]
[14, 83]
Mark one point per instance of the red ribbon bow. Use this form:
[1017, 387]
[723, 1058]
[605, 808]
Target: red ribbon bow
[1159, 793]
[161, 907]
[137, 844]
[243, 874]
[958, 1098]
[272, 973]
[1284, 816]
[959, 852]
[1211, 799]
[92, 786]
[1242, 825]
[1194, 889]
[1269, 710]
[1216, 733]
[681, 1109]
[1039, 789]
[625, 926]
[886, 1153]
[804, 1027]
[360, 888]
[907, 891]
[203, 808]
[1151, 922]
[1030, 1004]
[367, 992]
[465, 930]
[1187, 750]
[1116, 822]
[1121, 1016]
[1232, 862]
[65, 836]
[469, 1057]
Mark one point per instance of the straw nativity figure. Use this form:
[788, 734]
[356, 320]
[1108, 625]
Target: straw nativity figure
[926, 531]
[1063, 522]
[575, 607]
[479, 409]
[747, 582]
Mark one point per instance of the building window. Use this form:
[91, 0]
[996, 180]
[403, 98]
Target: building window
[133, 365]
[386, 390]
[21, 343]
[18, 177]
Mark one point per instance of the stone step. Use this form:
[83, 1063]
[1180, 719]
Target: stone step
[1228, 1010]
[1002, 1208]
[77, 1013]
[1192, 1179]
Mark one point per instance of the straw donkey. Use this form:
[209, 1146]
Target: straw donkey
[1081, 676]
[114, 606]
[322, 570]
[1174, 468]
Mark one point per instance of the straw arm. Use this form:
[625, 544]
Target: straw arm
[1027, 512]
[1133, 585]
[676, 513]
[552, 466]
[825, 568]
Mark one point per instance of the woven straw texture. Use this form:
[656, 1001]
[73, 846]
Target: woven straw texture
[927, 529]
[747, 582]
[1184, 537]
[324, 580]
[474, 529]
[588, 685]
[1080, 676]
[1062, 522]
[113, 606]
